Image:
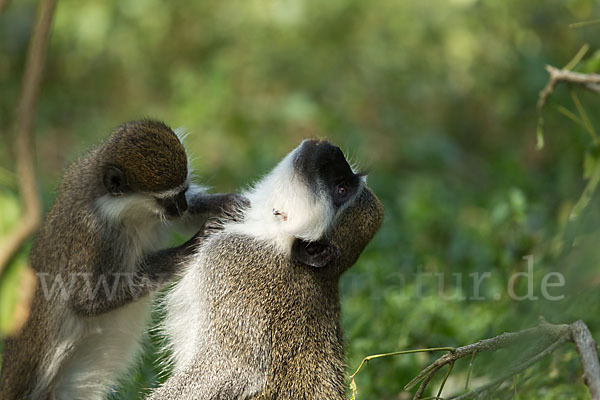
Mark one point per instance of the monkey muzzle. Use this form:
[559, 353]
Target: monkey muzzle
[174, 206]
[317, 254]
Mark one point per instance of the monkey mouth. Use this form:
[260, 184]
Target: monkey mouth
[317, 254]
[314, 248]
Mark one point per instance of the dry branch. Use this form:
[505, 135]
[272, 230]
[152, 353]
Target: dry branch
[588, 81]
[24, 122]
[485, 389]
[556, 335]
[502, 341]
[586, 347]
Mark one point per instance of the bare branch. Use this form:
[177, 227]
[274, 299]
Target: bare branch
[425, 382]
[594, 87]
[588, 81]
[23, 127]
[514, 370]
[502, 341]
[551, 336]
[586, 347]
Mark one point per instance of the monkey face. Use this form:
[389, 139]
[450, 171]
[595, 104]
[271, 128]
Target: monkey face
[145, 169]
[298, 206]
[323, 167]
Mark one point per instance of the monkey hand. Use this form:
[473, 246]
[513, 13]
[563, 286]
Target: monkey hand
[221, 204]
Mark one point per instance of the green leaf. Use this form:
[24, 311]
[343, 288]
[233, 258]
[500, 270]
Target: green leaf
[540, 133]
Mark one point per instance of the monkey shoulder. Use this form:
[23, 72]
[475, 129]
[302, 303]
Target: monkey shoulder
[239, 251]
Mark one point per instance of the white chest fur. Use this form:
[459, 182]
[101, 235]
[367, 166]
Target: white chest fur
[104, 349]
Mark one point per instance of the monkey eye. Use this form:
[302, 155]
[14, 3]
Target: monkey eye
[342, 190]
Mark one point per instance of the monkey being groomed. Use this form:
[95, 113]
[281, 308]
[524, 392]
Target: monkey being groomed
[257, 313]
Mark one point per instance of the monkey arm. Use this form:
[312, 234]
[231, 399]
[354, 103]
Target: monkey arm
[215, 204]
[113, 286]
[202, 206]
[210, 205]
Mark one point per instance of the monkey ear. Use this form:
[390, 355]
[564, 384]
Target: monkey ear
[315, 254]
[114, 180]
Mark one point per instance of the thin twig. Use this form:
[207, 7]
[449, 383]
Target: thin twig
[396, 353]
[421, 390]
[24, 121]
[578, 57]
[584, 23]
[588, 81]
[516, 369]
[470, 370]
[594, 87]
[569, 114]
[583, 115]
[439, 394]
[554, 335]
[502, 341]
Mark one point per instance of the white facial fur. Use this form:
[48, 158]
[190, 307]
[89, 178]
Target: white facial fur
[283, 207]
[116, 208]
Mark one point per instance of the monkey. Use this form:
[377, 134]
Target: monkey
[98, 260]
[256, 314]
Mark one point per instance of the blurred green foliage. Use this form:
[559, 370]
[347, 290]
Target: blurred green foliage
[9, 282]
[436, 98]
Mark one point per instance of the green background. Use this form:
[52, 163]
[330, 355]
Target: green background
[436, 98]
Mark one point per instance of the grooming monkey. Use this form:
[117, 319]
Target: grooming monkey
[257, 312]
[98, 262]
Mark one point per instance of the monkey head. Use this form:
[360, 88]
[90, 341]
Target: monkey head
[314, 207]
[144, 165]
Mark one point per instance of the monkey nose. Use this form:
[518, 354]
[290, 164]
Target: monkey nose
[181, 204]
[308, 146]
[315, 148]
[311, 143]
[175, 206]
